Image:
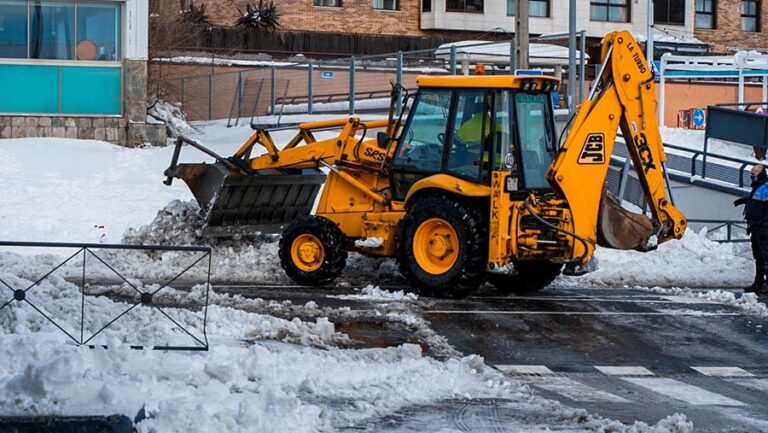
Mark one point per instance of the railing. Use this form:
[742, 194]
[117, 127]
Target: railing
[735, 171]
[142, 298]
[729, 225]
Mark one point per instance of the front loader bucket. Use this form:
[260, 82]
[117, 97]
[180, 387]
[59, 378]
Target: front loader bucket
[621, 229]
[236, 203]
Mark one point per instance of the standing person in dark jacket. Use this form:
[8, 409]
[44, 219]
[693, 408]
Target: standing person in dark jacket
[756, 214]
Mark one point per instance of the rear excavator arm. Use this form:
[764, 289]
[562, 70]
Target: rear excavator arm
[623, 96]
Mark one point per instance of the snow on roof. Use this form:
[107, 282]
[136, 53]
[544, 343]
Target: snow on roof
[498, 52]
[668, 37]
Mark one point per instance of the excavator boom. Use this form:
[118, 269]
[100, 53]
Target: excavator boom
[623, 96]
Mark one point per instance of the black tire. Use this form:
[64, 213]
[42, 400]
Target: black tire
[467, 272]
[529, 277]
[334, 247]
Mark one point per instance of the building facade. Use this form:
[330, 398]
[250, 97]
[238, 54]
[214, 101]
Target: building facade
[75, 69]
[732, 25]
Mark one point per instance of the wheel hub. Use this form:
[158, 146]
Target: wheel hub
[435, 246]
[307, 252]
[440, 246]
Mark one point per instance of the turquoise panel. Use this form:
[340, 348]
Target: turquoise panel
[29, 89]
[90, 90]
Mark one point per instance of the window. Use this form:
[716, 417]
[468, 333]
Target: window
[536, 139]
[536, 8]
[387, 5]
[426, 5]
[98, 31]
[421, 145]
[61, 30]
[13, 28]
[52, 30]
[750, 21]
[419, 150]
[469, 138]
[705, 14]
[328, 3]
[609, 10]
[669, 11]
[464, 5]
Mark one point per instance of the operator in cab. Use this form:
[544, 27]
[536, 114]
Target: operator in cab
[756, 214]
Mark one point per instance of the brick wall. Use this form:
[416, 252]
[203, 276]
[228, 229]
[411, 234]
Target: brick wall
[728, 34]
[355, 16]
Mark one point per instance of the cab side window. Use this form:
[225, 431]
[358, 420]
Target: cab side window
[469, 137]
[421, 143]
[420, 147]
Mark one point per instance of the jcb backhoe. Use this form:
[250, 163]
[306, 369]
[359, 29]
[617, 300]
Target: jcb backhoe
[474, 180]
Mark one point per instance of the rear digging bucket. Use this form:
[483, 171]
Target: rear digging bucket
[621, 229]
[235, 203]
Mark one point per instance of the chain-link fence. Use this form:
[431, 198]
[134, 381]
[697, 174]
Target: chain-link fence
[216, 87]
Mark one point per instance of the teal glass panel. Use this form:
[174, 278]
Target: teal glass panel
[29, 89]
[90, 90]
[13, 29]
[98, 31]
[52, 30]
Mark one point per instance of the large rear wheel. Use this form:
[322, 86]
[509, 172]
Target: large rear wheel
[529, 277]
[312, 251]
[442, 247]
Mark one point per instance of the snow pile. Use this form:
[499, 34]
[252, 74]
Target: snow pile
[693, 261]
[374, 293]
[694, 139]
[174, 118]
[273, 386]
[61, 300]
[746, 302]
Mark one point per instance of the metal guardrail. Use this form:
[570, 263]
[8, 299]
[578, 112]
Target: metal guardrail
[729, 225]
[145, 298]
[694, 164]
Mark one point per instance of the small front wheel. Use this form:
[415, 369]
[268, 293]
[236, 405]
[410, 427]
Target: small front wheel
[312, 251]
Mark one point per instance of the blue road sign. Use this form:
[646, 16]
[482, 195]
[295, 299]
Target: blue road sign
[699, 117]
[326, 75]
[529, 72]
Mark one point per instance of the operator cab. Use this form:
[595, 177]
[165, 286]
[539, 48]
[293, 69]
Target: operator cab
[468, 127]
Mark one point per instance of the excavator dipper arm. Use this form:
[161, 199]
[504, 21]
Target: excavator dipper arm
[623, 96]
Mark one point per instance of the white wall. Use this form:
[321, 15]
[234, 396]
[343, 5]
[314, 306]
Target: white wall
[136, 29]
[495, 17]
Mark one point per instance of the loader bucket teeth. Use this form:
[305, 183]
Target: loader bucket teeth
[235, 203]
[620, 229]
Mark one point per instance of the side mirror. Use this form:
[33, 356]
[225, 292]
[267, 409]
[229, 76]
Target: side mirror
[382, 139]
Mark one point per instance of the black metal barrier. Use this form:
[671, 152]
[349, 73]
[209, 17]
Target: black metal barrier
[145, 298]
[730, 227]
[735, 125]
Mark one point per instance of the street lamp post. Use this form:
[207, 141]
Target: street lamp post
[649, 38]
[521, 35]
[572, 56]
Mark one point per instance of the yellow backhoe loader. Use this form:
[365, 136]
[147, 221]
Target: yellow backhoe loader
[474, 180]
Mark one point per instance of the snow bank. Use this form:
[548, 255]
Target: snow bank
[746, 302]
[693, 139]
[693, 261]
[235, 387]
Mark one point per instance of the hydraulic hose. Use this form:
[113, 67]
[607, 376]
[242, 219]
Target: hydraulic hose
[585, 242]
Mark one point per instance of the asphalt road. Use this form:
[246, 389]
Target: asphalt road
[620, 353]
